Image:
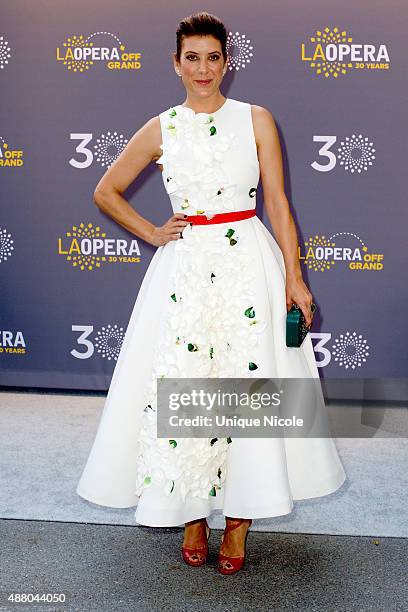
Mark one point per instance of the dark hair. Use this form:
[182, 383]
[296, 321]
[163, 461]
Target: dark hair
[201, 24]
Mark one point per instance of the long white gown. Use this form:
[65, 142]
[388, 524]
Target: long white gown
[188, 321]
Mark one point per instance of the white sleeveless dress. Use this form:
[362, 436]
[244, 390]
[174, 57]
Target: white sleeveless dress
[188, 321]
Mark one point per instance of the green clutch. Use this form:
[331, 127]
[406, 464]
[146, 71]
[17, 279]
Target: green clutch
[296, 328]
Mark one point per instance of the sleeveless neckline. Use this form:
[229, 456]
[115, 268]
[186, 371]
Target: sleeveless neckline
[226, 101]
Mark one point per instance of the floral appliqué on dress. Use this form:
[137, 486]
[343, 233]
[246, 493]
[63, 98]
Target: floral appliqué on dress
[211, 325]
[191, 160]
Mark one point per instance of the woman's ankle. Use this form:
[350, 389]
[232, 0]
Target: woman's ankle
[195, 521]
[234, 520]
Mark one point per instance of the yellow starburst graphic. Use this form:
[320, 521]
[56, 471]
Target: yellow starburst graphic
[70, 61]
[80, 260]
[314, 245]
[322, 39]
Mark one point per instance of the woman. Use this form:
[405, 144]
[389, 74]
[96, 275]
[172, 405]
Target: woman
[213, 303]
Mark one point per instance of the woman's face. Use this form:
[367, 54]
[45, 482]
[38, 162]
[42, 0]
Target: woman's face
[201, 66]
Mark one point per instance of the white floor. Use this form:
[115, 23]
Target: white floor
[45, 440]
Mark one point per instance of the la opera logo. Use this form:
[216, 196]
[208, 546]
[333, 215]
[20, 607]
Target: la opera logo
[87, 247]
[79, 54]
[332, 53]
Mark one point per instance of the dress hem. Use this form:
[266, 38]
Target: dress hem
[321, 489]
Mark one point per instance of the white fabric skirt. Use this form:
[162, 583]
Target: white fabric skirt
[263, 475]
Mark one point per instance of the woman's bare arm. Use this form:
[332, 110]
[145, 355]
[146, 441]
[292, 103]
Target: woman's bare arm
[276, 203]
[277, 207]
[142, 148]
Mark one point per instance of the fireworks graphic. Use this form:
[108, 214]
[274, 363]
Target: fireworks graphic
[109, 341]
[318, 265]
[109, 147]
[3, 145]
[121, 46]
[85, 262]
[356, 153]
[350, 234]
[334, 68]
[5, 52]
[350, 350]
[73, 64]
[6, 245]
[237, 42]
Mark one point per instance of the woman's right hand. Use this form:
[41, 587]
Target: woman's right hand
[171, 230]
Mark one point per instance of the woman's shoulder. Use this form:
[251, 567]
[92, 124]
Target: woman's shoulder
[263, 122]
[262, 119]
[261, 113]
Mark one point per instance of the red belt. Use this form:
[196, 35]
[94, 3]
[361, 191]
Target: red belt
[237, 215]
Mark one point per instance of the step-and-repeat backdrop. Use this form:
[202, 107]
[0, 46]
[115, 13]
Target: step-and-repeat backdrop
[78, 80]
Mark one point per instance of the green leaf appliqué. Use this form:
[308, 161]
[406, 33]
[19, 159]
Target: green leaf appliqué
[229, 233]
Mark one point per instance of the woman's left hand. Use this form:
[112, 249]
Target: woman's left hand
[298, 293]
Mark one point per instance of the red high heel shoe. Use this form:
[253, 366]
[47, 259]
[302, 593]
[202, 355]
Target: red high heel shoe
[231, 565]
[196, 555]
